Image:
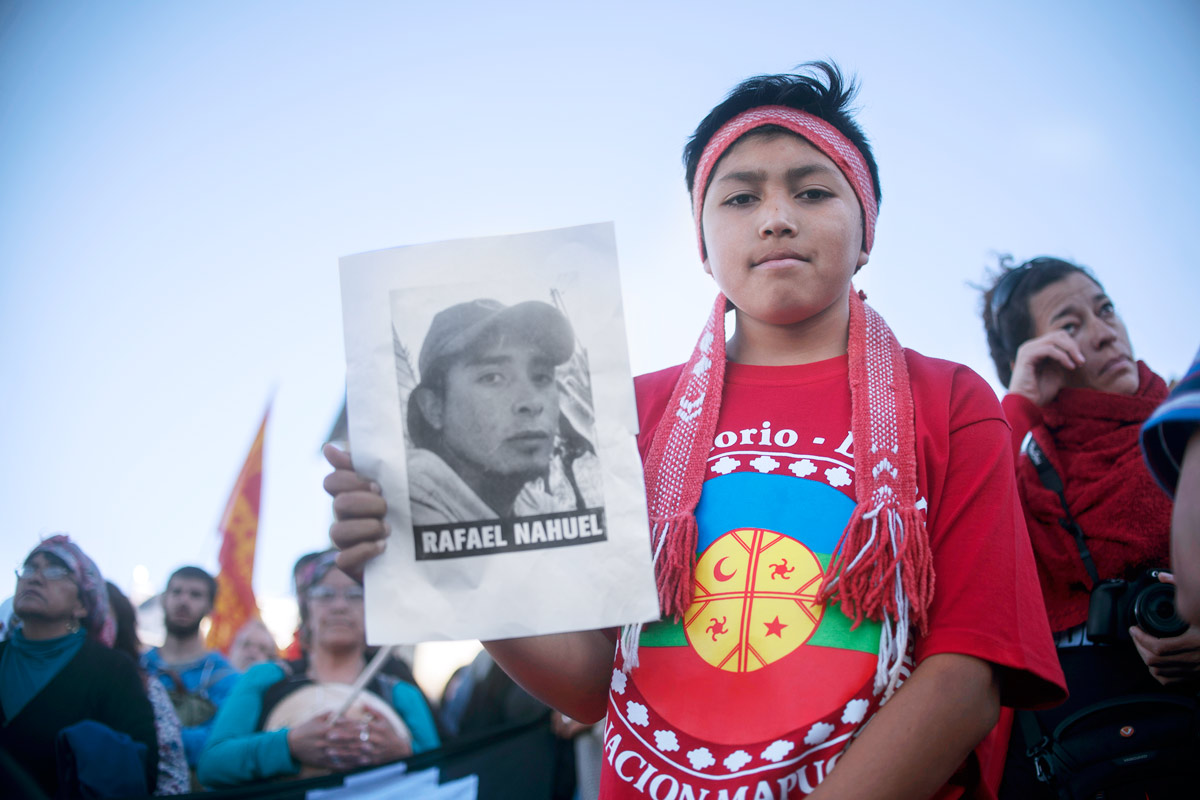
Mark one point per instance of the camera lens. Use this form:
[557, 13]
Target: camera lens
[1154, 611]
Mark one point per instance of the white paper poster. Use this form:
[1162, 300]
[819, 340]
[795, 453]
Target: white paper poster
[489, 395]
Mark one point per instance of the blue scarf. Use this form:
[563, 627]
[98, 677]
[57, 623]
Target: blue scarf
[28, 665]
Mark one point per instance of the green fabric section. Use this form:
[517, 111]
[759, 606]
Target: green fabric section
[665, 633]
[834, 631]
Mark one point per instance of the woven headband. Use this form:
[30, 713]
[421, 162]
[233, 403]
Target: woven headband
[816, 131]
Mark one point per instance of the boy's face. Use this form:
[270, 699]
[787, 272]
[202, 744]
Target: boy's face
[782, 231]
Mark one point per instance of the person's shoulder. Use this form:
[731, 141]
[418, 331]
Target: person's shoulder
[660, 382]
[264, 674]
[1165, 434]
[152, 659]
[932, 372]
[653, 391]
[99, 657]
[938, 383]
[216, 660]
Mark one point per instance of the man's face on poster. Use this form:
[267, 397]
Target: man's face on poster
[499, 409]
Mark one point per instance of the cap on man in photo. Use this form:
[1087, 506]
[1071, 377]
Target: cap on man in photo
[460, 328]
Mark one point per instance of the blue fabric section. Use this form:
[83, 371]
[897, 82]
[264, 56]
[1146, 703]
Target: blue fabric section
[27, 666]
[210, 676]
[813, 513]
[96, 761]
[236, 751]
[1165, 434]
[410, 704]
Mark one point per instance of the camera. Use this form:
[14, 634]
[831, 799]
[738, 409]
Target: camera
[1145, 602]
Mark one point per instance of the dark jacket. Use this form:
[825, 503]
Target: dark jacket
[98, 684]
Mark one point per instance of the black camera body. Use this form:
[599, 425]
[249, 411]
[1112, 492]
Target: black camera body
[1145, 602]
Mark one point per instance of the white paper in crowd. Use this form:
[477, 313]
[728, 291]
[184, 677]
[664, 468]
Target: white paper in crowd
[489, 395]
[465, 788]
[389, 782]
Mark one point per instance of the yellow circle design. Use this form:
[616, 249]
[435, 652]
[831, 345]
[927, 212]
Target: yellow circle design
[755, 599]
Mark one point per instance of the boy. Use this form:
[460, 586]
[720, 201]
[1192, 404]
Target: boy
[834, 518]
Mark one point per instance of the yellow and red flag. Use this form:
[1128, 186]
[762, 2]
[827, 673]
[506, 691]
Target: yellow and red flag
[235, 603]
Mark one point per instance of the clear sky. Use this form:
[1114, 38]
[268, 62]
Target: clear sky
[178, 180]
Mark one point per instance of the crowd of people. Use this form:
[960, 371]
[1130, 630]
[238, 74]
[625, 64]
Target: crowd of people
[87, 710]
[1009, 591]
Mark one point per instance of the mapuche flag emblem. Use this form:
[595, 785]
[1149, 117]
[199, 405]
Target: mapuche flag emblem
[756, 637]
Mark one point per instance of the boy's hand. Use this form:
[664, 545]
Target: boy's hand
[566, 728]
[358, 506]
[1042, 366]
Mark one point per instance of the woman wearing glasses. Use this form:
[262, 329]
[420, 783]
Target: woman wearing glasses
[280, 719]
[59, 669]
[1076, 400]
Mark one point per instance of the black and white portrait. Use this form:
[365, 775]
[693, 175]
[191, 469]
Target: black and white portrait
[489, 395]
[499, 424]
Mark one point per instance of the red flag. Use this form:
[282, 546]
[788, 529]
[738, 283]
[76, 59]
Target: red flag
[235, 602]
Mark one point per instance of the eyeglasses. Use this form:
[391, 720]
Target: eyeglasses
[326, 594]
[49, 572]
[1006, 287]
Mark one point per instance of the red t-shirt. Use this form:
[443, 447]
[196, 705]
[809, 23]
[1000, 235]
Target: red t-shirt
[760, 689]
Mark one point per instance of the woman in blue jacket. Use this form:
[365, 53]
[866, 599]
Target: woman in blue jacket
[279, 720]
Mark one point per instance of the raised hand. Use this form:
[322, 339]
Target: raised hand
[1043, 365]
[359, 532]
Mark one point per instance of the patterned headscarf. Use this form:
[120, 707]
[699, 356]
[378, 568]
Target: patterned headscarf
[313, 570]
[882, 567]
[309, 575]
[100, 622]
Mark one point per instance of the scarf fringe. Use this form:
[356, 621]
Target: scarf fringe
[890, 575]
[627, 646]
[674, 568]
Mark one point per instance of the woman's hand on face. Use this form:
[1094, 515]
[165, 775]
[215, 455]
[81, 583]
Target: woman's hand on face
[1042, 365]
[359, 532]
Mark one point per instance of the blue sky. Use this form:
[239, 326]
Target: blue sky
[178, 180]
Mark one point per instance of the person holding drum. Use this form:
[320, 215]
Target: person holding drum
[282, 718]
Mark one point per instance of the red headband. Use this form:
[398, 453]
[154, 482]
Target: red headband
[823, 136]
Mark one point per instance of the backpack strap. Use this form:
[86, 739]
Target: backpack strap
[1050, 478]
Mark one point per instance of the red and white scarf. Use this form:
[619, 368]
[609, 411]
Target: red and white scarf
[882, 567]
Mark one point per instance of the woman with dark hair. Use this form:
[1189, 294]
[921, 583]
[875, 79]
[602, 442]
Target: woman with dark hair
[280, 719]
[59, 669]
[1076, 401]
[172, 763]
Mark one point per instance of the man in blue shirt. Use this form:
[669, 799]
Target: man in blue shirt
[198, 679]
